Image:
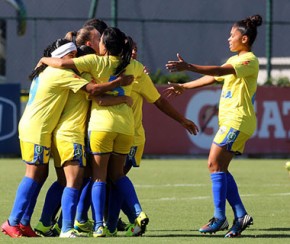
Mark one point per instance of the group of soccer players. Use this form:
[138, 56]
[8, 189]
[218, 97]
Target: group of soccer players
[55, 120]
[57, 114]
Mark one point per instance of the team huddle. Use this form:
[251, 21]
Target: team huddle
[85, 111]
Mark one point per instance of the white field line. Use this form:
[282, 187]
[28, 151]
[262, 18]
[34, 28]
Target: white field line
[209, 197]
[169, 185]
[199, 197]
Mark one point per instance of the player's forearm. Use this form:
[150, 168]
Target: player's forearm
[108, 100]
[201, 82]
[98, 89]
[58, 63]
[163, 105]
[211, 70]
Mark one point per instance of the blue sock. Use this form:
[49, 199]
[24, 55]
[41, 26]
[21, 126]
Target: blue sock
[98, 200]
[127, 211]
[84, 201]
[219, 191]
[25, 220]
[23, 196]
[233, 197]
[51, 204]
[69, 202]
[127, 190]
[115, 202]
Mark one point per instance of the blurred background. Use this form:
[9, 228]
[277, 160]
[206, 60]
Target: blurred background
[197, 29]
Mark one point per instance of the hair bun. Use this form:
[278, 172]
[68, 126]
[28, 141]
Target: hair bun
[256, 20]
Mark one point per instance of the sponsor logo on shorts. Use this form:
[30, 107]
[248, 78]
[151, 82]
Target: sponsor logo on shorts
[78, 152]
[39, 149]
[231, 136]
[132, 152]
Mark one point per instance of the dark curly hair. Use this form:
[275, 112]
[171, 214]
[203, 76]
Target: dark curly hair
[248, 27]
[47, 53]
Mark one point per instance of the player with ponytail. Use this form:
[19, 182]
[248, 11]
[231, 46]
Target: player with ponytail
[237, 119]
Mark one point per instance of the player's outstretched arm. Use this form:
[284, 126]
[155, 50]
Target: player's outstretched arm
[181, 65]
[169, 110]
[176, 89]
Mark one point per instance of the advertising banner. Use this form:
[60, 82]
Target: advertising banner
[166, 136]
[9, 117]
[2, 50]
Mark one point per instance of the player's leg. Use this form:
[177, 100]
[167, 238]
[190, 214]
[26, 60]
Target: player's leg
[70, 196]
[101, 144]
[124, 187]
[242, 220]
[73, 162]
[36, 158]
[133, 160]
[82, 221]
[219, 159]
[51, 205]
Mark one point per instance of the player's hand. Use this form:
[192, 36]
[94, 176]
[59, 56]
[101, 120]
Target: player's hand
[146, 70]
[190, 126]
[38, 64]
[129, 101]
[175, 89]
[125, 80]
[174, 66]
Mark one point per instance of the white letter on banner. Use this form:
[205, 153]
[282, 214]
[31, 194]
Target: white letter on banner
[194, 106]
[271, 117]
[286, 108]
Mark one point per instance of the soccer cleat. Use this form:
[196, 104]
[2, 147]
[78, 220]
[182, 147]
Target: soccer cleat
[72, 233]
[12, 231]
[214, 225]
[86, 227]
[100, 232]
[121, 225]
[239, 225]
[109, 234]
[27, 231]
[133, 230]
[142, 221]
[56, 230]
[45, 231]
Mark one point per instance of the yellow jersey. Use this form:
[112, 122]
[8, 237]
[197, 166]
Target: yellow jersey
[47, 98]
[236, 107]
[72, 124]
[116, 118]
[143, 88]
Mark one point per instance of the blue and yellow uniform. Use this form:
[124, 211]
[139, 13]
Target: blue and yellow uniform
[237, 119]
[48, 95]
[143, 88]
[108, 123]
[68, 136]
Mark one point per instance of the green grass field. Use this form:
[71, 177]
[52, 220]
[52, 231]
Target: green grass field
[176, 194]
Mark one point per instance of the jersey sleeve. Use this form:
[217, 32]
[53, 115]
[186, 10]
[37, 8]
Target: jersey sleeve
[85, 63]
[147, 89]
[71, 81]
[246, 66]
